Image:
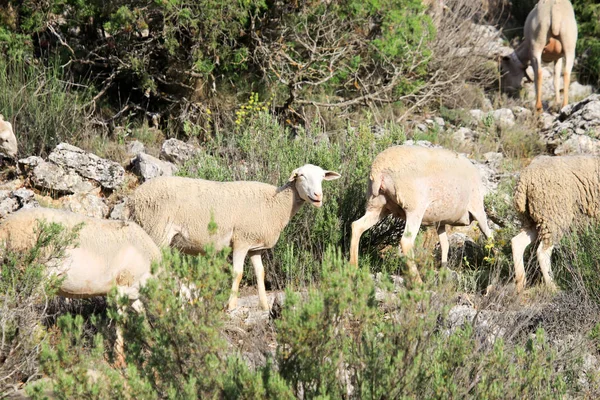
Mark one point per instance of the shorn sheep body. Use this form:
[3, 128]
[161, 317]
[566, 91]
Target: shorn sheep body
[106, 253]
[8, 140]
[550, 34]
[248, 216]
[423, 186]
[553, 194]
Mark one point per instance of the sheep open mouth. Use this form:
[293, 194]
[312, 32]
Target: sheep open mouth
[315, 201]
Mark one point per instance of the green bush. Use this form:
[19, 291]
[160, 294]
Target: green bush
[337, 341]
[588, 42]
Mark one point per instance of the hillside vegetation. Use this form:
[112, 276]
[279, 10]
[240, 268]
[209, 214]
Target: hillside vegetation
[258, 88]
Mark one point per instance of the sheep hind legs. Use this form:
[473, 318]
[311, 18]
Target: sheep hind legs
[544, 254]
[407, 242]
[519, 243]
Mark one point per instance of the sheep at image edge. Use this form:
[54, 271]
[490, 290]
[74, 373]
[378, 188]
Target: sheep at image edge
[249, 216]
[423, 186]
[106, 253]
[552, 195]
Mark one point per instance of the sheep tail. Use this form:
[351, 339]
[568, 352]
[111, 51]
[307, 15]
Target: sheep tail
[555, 18]
[376, 182]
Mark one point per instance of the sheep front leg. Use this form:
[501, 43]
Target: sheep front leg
[569, 60]
[544, 254]
[239, 255]
[536, 63]
[259, 271]
[444, 244]
[411, 228]
[519, 243]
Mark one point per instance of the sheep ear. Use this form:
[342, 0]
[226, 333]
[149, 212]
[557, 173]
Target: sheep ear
[331, 175]
[294, 175]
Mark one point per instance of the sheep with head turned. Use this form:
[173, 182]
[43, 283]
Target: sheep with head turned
[248, 216]
[423, 186]
[550, 34]
[553, 195]
[105, 254]
[8, 140]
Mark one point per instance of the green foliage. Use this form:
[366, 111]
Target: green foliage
[337, 342]
[42, 105]
[575, 261]
[588, 42]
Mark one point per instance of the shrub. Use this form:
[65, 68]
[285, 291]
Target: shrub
[337, 341]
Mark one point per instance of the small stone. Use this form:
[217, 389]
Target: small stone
[135, 147]
[504, 117]
[177, 152]
[147, 167]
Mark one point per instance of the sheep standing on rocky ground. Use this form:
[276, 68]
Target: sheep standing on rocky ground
[248, 216]
[550, 34]
[553, 194]
[8, 141]
[106, 253]
[424, 187]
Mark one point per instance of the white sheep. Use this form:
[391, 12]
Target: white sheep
[106, 253]
[249, 216]
[550, 34]
[552, 195]
[423, 186]
[8, 141]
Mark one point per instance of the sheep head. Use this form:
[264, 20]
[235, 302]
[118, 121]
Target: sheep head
[8, 141]
[512, 72]
[307, 180]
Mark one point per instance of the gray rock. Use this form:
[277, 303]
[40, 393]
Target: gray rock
[147, 167]
[477, 116]
[422, 127]
[578, 144]
[8, 204]
[577, 128]
[119, 211]
[493, 158]
[13, 200]
[49, 176]
[108, 173]
[86, 204]
[465, 134]
[422, 143]
[177, 152]
[504, 117]
[439, 121]
[135, 147]
[26, 165]
[522, 113]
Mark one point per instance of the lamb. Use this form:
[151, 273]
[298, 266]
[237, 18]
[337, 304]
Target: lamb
[8, 141]
[550, 35]
[249, 216]
[423, 186]
[106, 253]
[552, 195]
